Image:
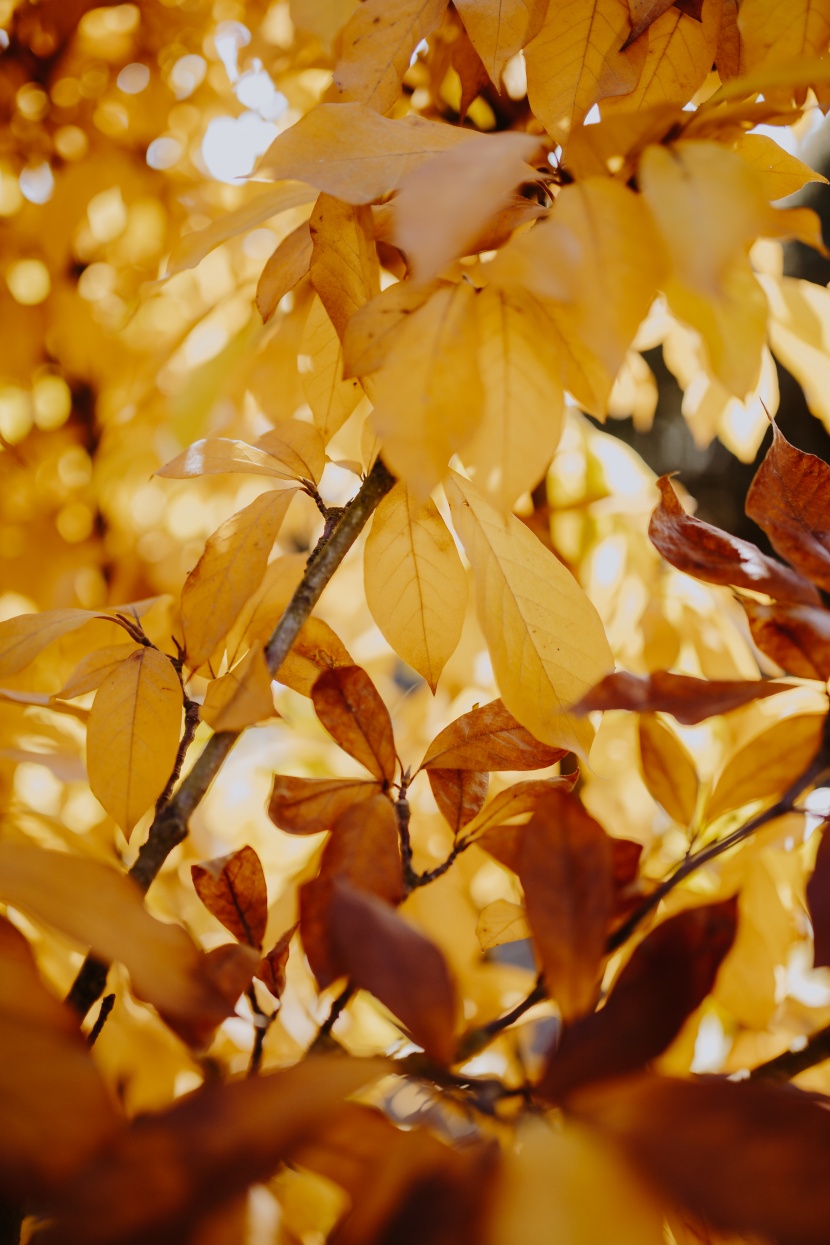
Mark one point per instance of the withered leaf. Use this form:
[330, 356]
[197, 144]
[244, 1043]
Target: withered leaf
[459, 794]
[796, 637]
[489, 738]
[233, 889]
[667, 978]
[818, 902]
[309, 805]
[718, 558]
[272, 969]
[350, 708]
[687, 699]
[406, 972]
[566, 867]
[790, 499]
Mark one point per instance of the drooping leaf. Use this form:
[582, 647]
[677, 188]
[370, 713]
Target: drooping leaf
[718, 558]
[315, 649]
[91, 670]
[233, 889]
[416, 587]
[194, 246]
[566, 867]
[517, 800]
[796, 637]
[459, 794]
[228, 572]
[272, 968]
[382, 953]
[686, 698]
[309, 805]
[350, 708]
[344, 264]
[498, 33]
[370, 334]
[220, 456]
[331, 397]
[133, 735]
[488, 738]
[546, 641]
[501, 922]
[376, 47]
[782, 173]
[668, 769]
[283, 270]
[298, 446]
[770, 39]
[23, 637]
[667, 978]
[768, 764]
[241, 697]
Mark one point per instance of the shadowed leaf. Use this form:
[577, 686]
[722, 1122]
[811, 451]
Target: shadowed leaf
[309, 805]
[687, 699]
[790, 499]
[796, 637]
[459, 794]
[350, 708]
[818, 902]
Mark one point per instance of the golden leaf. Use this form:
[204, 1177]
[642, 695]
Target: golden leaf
[241, 697]
[499, 31]
[331, 398]
[376, 47]
[668, 769]
[344, 264]
[501, 922]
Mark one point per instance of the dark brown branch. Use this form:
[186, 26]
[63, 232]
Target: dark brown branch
[323, 1036]
[790, 1062]
[107, 1004]
[262, 1023]
[477, 1039]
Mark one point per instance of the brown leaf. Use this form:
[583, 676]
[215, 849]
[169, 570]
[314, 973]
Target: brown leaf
[746, 1157]
[199, 1154]
[459, 794]
[406, 972]
[643, 13]
[288, 265]
[566, 865]
[350, 708]
[272, 969]
[233, 889]
[471, 70]
[796, 637]
[718, 558]
[626, 855]
[667, 978]
[309, 805]
[489, 738]
[316, 648]
[687, 699]
[790, 499]
[818, 902]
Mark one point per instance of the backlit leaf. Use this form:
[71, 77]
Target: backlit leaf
[680, 54]
[272, 969]
[668, 770]
[194, 246]
[331, 398]
[459, 794]
[499, 32]
[344, 264]
[219, 455]
[376, 47]
[283, 270]
[298, 446]
[91, 670]
[546, 641]
[315, 649]
[350, 708]
[371, 332]
[686, 698]
[770, 38]
[488, 738]
[233, 889]
[782, 173]
[309, 805]
[416, 587]
[242, 697]
[133, 735]
[796, 637]
[768, 764]
[501, 922]
[23, 637]
[515, 801]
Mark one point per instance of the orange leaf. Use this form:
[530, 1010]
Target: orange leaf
[285, 268]
[233, 889]
[687, 699]
[796, 637]
[489, 738]
[350, 708]
[309, 805]
[818, 902]
[459, 794]
[376, 46]
[272, 968]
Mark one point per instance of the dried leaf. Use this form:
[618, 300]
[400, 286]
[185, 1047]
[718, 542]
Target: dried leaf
[350, 708]
[376, 46]
[298, 446]
[315, 649]
[501, 922]
[272, 968]
[221, 456]
[667, 978]
[459, 794]
[668, 770]
[285, 269]
[796, 637]
[718, 558]
[687, 699]
[566, 867]
[242, 697]
[344, 264]
[488, 738]
[233, 889]
[517, 800]
[416, 587]
[767, 765]
[133, 735]
[309, 805]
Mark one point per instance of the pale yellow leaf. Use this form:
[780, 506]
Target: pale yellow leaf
[331, 398]
[371, 331]
[499, 31]
[298, 446]
[241, 697]
[781, 173]
[799, 334]
[416, 587]
[196, 245]
[376, 47]
[42, 700]
[344, 265]
[680, 53]
[521, 370]
[261, 612]
[228, 572]
[91, 670]
[767, 765]
[777, 34]
[220, 456]
[133, 735]
[429, 396]
[348, 150]
[22, 638]
[668, 769]
[575, 62]
[283, 270]
[501, 922]
[545, 638]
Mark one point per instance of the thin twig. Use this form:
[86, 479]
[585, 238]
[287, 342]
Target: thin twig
[262, 1023]
[477, 1039]
[107, 1004]
[323, 1035]
[790, 1062]
[191, 722]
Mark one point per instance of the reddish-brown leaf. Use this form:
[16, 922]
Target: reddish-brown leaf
[406, 972]
[797, 637]
[233, 889]
[667, 978]
[718, 558]
[459, 794]
[626, 854]
[818, 902]
[745, 1157]
[566, 867]
[790, 499]
[309, 805]
[687, 699]
[272, 968]
[350, 708]
[488, 738]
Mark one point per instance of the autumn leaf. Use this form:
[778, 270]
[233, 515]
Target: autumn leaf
[309, 805]
[376, 47]
[766, 39]
[332, 397]
[545, 638]
[796, 637]
[350, 708]
[488, 738]
[668, 769]
[768, 764]
[344, 265]
[133, 735]
[272, 968]
[315, 649]
[782, 174]
[501, 922]
[233, 889]
[459, 794]
[515, 801]
[220, 455]
[241, 697]
[499, 32]
[687, 699]
[680, 52]
[196, 245]
[25, 636]
[92, 669]
[283, 271]
[370, 333]
[298, 446]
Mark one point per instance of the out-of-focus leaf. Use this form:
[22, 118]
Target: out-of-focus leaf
[133, 735]
[91, 670]
[350, 708]
[285, 268]
[233, 889]
[222, 456]
[309, 805]
[687, 699]
[501, 922]
[196, 245]
[768, 764]
[668, 769]
[522, 797]
[371, 331]
[376, 46]
[459, 794]
[818, 902]
[667, 978]
[23, 637]
[272, 968]
[331, 396]
[796, 637]
[566, 867]
[488, 738]
[344, 264]
[298, 446]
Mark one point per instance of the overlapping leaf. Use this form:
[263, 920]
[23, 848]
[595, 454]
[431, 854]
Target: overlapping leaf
[686, 698]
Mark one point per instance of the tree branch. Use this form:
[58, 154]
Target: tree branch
[169, 827]
[790, 1062]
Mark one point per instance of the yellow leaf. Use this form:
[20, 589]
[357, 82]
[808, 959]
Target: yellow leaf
[781, 174]
[680, 54]
[499, 31]
[220, 456]
[546, 640]
[228, 572]
[371, 331]
[520, 368]
[133, 735]
[774, 34]
[344, 265]
[348, 150]
[376, 47]
[316, 648]
[25, 636]
[416, 587]
[709, 207]
[516, 801]
[428, 398]
[261, 612]
[799, 333]
[283, 270]
[331, 398]
[298, 446]
[196, 245]
[501, 922]
[668, 769]
[767, 765]
[241, 697]
[91, 671]
[575, 62]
